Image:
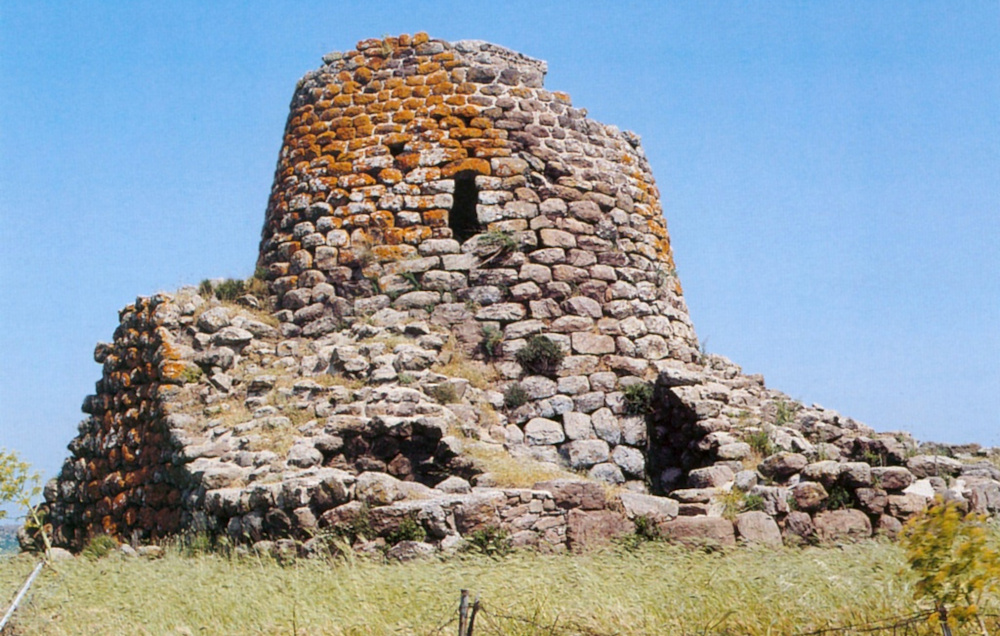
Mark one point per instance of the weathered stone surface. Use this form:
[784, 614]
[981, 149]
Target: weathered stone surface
[710, 477]
[933, 466]
[640, 505]
[409, 551]
[907, 505]
[842, 525]
[377, 489]
[590, 529]
[569, 493]
[825, 472]
[539, 431]
[892, 477]
[592, 343]
[799, 528]
[428, 206]
[871, 500]
[478, 512]
[699, 531]
[856, 474]
[583, 454]
[757, 528]
[809, 495]
[577, 425]
[630, 460]
[607, 472]
[783, 465]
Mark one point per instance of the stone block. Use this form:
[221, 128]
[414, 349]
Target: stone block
[842, 525]
[591, 529]
[758, 528]
[540, 431]
[699, 531]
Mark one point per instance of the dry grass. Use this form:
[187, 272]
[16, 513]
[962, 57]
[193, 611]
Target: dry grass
[655, 590]
[336, 379]
[514, 472]
[479, 374]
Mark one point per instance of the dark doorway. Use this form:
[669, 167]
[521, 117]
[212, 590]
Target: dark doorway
[462, 219]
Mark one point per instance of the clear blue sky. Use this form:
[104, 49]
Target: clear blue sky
[830, 174]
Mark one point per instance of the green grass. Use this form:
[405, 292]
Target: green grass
[655, 589]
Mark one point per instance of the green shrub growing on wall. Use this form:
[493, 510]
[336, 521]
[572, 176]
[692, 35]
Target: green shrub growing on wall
[492, 342]
[638, 398]
[409, 529]
[514, 396]
[491, 540]
[230, 289]
[540, 356]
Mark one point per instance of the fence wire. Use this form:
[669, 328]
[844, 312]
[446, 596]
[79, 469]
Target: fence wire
[492, 621]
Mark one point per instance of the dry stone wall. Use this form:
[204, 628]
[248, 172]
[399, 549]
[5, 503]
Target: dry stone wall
[437, 214]
[424, 175]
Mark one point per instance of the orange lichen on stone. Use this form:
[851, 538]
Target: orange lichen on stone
[479, 166]
[417, 234]
[390, 253]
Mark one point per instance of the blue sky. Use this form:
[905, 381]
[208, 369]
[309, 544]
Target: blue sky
[830, 174]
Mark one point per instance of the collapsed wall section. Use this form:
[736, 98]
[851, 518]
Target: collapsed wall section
[120, 479]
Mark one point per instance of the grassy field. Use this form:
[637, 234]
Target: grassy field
[656, 589]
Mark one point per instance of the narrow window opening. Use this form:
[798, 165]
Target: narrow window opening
[462, 220]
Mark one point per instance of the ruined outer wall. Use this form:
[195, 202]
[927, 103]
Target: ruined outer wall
[119, 479]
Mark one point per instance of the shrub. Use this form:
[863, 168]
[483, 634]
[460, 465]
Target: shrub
[840, 497]
[257, 287]
[99, 546]
[492, 342]
[443, 393]
[784, 412]
[195, 544]
[17, 483]
[412, 279]
[955, 564]
[514, 396]
[191, 374]
[409, 529]
[872, 458]
[638, 398]
[645, 531]
[760, 443]
[205, 289]
[736, 501]
[540, 356]
[491, 540]
[646, 528]
[359, 528]
[230, 289]
[406, 378]
[753, 502]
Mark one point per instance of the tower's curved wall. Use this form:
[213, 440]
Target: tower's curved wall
[406, 160]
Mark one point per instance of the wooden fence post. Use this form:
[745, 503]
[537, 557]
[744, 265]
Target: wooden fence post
[943, 614]
[472, 618]
[463, 613]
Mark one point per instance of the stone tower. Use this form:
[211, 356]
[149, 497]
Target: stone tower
[458, 270]
[409, 164]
